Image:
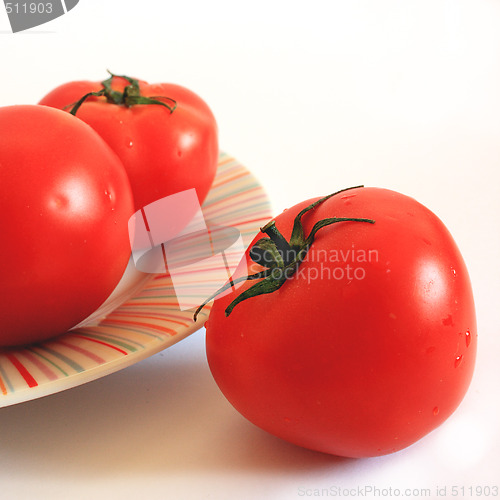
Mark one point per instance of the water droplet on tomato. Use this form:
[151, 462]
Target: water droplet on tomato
[347, 198]
[435, 411]
[468, 338]
[454, 272]
[130, 144]
[458, 361]
[448, 321]
[60, 202]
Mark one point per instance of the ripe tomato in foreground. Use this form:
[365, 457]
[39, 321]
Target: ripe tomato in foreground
[367, 344]
[164, 134]
[65, 201]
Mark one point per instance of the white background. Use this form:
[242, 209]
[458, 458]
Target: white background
[312, 97]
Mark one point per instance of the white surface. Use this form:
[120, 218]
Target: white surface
[398, 94]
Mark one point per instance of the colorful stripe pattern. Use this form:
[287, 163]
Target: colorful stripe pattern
[144, 325]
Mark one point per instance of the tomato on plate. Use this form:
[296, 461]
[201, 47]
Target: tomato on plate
[65, 201]
[352, 337]
[165, 135]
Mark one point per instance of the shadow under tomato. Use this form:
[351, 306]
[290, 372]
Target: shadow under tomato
[164, 414]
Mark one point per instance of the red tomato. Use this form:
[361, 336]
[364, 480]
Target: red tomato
[163, 151]
[65, 201]
[368, 346]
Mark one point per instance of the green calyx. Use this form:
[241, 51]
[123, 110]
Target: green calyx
[279, 257]
[131, 95]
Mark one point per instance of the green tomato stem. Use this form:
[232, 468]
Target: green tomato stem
[280, 257]
[131, 95]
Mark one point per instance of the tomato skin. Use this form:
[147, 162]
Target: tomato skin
[65, 201]
[164, 153]
[360, 367]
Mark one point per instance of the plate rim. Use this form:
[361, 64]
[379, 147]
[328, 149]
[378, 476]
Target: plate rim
[154, 346]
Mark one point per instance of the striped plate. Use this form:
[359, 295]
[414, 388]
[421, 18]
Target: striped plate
[142, 326]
